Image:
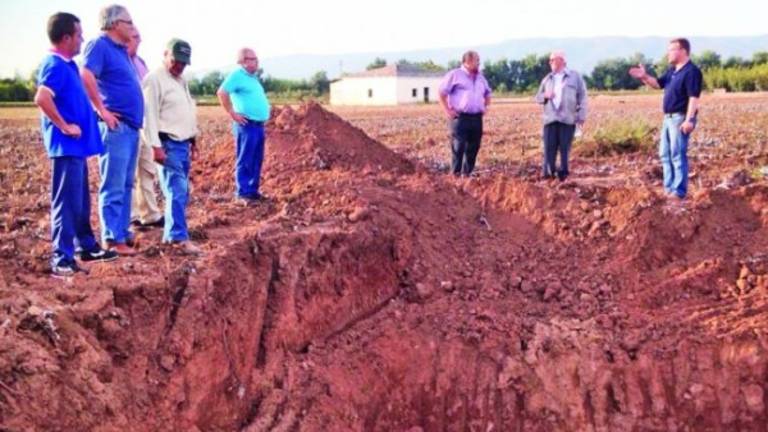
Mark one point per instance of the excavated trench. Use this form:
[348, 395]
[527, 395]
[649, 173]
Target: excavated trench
[379, 296]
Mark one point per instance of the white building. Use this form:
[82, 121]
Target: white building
[388, 85]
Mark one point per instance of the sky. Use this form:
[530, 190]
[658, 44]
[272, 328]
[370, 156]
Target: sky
[216, 29]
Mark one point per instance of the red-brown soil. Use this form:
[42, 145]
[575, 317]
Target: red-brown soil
[373, 292]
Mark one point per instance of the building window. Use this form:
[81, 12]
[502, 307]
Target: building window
[414, 92]
[370, 93]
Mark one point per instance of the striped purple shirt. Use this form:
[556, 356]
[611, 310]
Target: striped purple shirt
[140, 66]
[466, 92]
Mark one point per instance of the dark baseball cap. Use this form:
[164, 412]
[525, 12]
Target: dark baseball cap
[180, 51]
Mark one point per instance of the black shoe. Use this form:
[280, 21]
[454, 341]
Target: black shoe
[66, 270]
[98, 255]
[156, 224]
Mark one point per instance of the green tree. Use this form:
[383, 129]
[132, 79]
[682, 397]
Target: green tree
[320, 83]
[707, 59]
[378, 62]
[760, 58]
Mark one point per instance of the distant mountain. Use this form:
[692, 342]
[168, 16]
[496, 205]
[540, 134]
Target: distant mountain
[583, 53]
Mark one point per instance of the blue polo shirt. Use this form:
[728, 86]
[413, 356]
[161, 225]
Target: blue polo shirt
[247, 95]
[116, 77]
[62, 78]
[679, 85]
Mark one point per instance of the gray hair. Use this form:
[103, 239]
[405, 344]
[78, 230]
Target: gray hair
[468, 55]
[109, 15]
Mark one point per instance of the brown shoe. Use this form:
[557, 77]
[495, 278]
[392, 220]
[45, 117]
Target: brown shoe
[186, 248]
[122, 249]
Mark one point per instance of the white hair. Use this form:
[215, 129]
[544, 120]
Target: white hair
[557, 54]
[109, 15]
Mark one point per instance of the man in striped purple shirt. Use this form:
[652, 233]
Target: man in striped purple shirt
[145, 212]
[465, 96]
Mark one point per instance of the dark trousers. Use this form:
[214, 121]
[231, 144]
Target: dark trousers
[558, 137]
[466, 132]
[70, 209]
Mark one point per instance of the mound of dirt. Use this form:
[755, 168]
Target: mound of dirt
[314, 137]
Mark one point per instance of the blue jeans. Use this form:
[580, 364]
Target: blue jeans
[174, 181]
[117, 166]
[250, 154]
[673, 149]
[70, 209]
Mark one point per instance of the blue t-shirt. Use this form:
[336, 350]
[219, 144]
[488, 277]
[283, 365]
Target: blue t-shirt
[679, 85]
[116, 77]
[62, 77]
[247, 95]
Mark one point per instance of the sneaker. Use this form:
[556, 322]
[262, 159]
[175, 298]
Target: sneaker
[65, 270]
[99, 254]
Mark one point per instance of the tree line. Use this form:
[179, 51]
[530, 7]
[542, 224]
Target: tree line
[515, 76]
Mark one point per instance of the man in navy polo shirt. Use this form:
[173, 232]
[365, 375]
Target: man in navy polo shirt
[70, 135]
[243, 97]
[115, 92]
[682, 84]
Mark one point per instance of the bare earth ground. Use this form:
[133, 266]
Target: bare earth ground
[372, 291]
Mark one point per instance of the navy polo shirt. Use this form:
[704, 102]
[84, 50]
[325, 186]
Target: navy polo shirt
[116, 77]
[62, 78]
[679, 85]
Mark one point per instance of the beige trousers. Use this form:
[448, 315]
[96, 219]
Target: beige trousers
[144, 203]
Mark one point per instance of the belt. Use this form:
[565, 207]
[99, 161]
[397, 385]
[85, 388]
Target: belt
[254, 122]
[471, 114]
[167, 137]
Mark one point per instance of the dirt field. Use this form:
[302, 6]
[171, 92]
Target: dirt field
[372, 291]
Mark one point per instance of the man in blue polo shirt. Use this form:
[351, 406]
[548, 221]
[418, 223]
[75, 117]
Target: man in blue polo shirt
[70, 135]
[115, 92]
[682, 84]
[243, 97]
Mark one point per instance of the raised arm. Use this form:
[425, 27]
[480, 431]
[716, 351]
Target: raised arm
[639, 72]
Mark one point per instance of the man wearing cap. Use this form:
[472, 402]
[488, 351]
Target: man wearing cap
[563, 94]
[465, 96]
[144, 209]
[170, 128]
[114, 90]
[682, 84]
[243, 97]
[70, 135]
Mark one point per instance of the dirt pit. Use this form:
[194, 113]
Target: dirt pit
[372, 293]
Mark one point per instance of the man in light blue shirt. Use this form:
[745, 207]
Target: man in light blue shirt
[243, 97]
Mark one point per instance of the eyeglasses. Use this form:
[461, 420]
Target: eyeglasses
[250, 58]
[129, 22]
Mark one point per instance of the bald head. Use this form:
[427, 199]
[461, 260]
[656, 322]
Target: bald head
[246, 57]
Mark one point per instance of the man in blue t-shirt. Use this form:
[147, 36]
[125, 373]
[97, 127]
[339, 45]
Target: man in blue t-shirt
[70, 135]
[243, 97]
[115, 92]
[682, 84]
